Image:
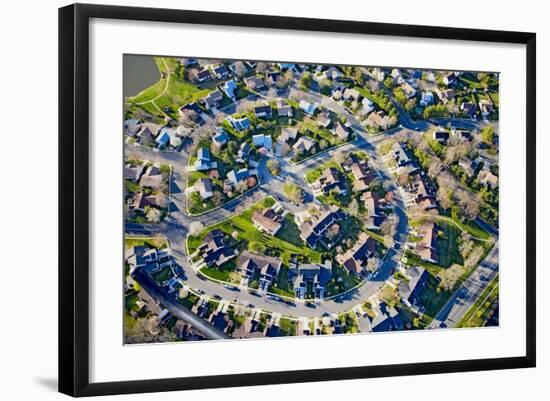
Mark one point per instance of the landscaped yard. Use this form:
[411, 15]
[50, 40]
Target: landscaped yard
[313, 175]
[447, 245]
[153, 242]
[177, 92]
[243, 226]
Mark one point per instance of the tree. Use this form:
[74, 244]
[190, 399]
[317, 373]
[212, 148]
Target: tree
[323, 144]
[293, 192]
[444, 197]
[488, 135]
[372, 264]
[306, 80]
[195, 227]
[153, 215]
[240, 68]
[389, 226]
[339, 156]
[466, 245]
[333, 231]
[353, 207]
[273, 166]
[217, 198]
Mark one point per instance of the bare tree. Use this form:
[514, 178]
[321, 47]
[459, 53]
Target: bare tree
[389, 226]
[354, 207]
[195, 227]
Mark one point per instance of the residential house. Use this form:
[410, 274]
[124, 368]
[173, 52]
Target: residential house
[367, 106]
[240, 124]
[214, 250]
[376, 118]
[308, 108]
[288, 134]
[351, 94]
[254, 83]
[140, 201]
[152, 178]
[487, 178]
[401, 154]
[426, 246]
[148, 131]
[485, 106]
[468, 108]
[220, 71]
[243, 153]
[304, 144]
[449, 78]
[331, 180]
[229, 88]
[204, 187]
[332, 73]
[272, 77]
[314, 276]
[283, 109]
[132, 126]
[133, 171]
[234, 177]
[341, 131]
[363, 176]
[374, 215]
[323, 120]
[408, 89]
[238, 68]
[263, 111]
[467, 165]
[355, 259]
[267, 220]
[191, 112]
[461, 134]
[262, 141]
[203, 75]
[212, 100]
[441, 135]
[387, 319]
[150, 259]
[313, 226]
[426, 98]
[445, 95]
[203, 161]
[187, 62]
[220, 138]
[253, 265]
[422, 191]
[410, 288]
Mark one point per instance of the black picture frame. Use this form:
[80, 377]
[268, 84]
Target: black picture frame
[74, 198]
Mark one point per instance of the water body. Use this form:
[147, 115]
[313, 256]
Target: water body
[138, 73]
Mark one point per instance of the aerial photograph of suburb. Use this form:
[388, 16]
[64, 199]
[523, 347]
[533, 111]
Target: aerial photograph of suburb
[268, 199]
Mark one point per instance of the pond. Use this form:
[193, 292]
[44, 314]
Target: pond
[139, 73]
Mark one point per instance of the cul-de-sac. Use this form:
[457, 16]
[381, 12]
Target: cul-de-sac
[267, 199]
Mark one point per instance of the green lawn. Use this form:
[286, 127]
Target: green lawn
[242, 224]
[287, 327]
[178, 92]
[282, 286]
[220, 273]
[153, 242]
[447, 245]
[290, 231]
[314, 174]
[341, 281]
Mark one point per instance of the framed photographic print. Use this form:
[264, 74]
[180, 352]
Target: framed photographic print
[250, 199]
